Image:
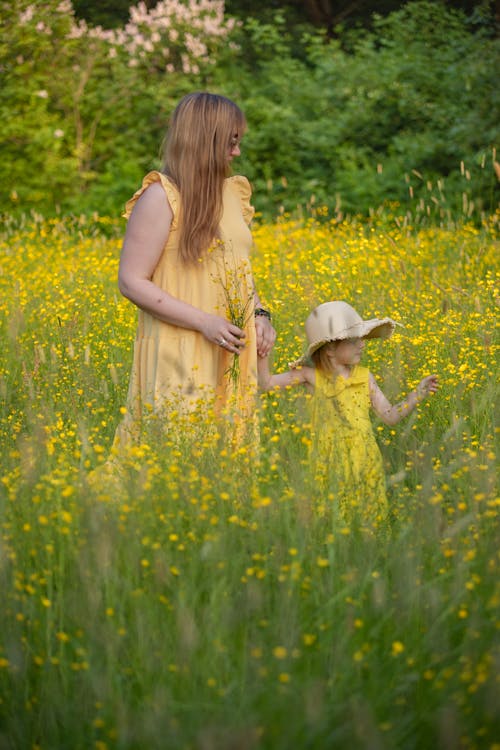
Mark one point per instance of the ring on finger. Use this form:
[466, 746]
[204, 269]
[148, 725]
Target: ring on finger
[223, 341]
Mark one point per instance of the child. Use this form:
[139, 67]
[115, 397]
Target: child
[346, 458]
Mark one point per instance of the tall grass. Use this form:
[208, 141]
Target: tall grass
[213, 600]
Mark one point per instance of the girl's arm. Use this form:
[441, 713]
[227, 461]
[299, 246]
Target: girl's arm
[268, 381]
[391, 415]
[147, 233]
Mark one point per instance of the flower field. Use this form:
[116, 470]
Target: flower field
[211, 600]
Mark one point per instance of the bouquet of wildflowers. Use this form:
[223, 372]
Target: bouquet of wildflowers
[239, 302]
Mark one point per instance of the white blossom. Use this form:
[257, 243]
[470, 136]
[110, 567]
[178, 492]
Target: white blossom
[27, 15]
[162, 36]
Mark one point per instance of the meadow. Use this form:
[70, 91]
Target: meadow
[214, 601]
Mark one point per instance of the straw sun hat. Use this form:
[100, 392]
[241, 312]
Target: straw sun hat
[335, 321]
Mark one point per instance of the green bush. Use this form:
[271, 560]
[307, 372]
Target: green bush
[84, 109]
[378, 116]
[404, 113]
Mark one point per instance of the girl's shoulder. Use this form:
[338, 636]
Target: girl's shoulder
[305, 373]
[361, 374]
[336, 383]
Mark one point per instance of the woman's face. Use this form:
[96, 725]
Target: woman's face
[234, 147]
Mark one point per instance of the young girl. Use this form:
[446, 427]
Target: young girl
[346, 459]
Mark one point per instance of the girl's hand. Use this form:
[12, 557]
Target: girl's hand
[426, 386]
[266, 335]
[223, 333]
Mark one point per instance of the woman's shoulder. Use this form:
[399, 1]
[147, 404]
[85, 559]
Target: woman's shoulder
[162, 182]
[240, 183]
[241, 186]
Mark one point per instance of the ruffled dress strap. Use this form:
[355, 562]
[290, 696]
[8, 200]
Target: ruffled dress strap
[334, 386]
[242, 188]
[170, 190]
[359, 375]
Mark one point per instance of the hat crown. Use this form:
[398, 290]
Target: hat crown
[336, 321]
[331, 321]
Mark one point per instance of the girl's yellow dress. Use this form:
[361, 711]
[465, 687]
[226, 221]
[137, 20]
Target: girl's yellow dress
[346, 458]
[176, 370]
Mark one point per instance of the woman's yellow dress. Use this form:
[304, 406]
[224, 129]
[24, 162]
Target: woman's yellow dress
[176, 370]
[346, 458]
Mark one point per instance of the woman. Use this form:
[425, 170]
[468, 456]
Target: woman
[185, 264]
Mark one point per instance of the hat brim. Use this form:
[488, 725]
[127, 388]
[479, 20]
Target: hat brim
[368, 329]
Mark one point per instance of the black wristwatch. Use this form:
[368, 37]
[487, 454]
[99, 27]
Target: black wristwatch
[260, 311]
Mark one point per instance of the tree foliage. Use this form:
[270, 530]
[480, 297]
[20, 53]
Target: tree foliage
[405, 111]
[84, 108]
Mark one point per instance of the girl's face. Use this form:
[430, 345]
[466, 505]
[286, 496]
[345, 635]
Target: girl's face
[347, 352]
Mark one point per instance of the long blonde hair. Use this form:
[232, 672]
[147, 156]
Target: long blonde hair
[196, 150]
[321, 357]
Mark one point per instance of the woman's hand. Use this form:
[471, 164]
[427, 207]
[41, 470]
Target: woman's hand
[223, 333]
[266, 335]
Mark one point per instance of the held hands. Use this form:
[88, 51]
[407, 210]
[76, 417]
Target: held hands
[220, 331]
[266, 335]
[426, 386]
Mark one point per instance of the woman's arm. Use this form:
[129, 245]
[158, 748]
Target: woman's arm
[268, 381]
[147, 233]
[390, 414]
